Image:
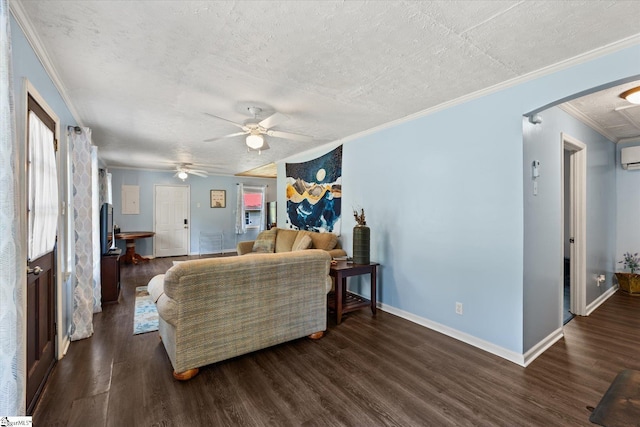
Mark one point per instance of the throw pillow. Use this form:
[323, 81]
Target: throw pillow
[302, 244]
[285, 239]
[265, 242]
[326, 241]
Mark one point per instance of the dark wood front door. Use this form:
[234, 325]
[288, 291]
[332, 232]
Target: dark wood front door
[41, 273]
[40, 324]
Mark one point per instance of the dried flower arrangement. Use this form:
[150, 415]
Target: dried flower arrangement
[359, 217]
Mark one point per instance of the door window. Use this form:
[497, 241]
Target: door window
[42, 203]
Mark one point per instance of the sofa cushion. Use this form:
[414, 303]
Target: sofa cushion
[265, 242]
[285, 239]
[326, 241]
[302, 244]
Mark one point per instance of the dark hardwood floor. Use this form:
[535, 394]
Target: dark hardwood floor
[366, 371]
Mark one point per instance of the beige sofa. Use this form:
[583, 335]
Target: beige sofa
[286, 240]
[217, 308]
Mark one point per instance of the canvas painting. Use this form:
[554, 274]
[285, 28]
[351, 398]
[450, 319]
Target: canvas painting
[314, 193]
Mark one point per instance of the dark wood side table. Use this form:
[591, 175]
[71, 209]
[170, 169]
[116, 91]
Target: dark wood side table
[342, 301]
[130, 256]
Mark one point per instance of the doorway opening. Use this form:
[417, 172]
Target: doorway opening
[567, 315]
[574, 174]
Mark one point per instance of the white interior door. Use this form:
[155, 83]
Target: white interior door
[171, 220]
[578, 223]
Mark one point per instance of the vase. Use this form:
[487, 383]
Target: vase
[629, 283]
[361, 244]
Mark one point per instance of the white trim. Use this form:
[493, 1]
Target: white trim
[66, 342]
[542, 346]
[509, 355]
[601, 299]
[38, 48]
[578, 115]
[578, 221]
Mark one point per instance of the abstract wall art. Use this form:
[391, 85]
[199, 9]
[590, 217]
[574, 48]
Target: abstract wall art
[314, 193]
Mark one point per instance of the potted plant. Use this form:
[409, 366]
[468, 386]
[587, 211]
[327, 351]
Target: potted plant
[630, 282]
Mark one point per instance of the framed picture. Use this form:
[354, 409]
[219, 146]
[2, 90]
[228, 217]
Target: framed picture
[218, 198]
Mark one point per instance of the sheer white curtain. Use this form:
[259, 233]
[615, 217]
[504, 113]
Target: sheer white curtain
[12, 262]
[43, 189]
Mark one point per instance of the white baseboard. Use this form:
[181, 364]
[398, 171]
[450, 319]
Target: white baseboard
[64, 343]
[509, 355]
[519, 359]
[542, 346]
[601, 299]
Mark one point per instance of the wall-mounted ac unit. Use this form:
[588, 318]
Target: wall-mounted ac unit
[630, 158]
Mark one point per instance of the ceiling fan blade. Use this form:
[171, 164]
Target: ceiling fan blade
[289, 135]
[226, 136]
[273, 120]
[198, 173]
[241, 126]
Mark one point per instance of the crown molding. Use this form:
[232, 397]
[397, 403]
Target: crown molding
[554, 68]
[580, 116]
[18, 12]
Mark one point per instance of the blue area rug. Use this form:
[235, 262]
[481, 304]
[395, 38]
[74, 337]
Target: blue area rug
[145, 318]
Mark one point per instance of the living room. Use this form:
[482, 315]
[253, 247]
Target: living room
[447, 192]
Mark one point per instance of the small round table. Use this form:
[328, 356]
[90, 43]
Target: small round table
[130, 256]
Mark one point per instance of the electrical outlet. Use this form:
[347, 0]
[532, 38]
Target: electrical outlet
[459, 308]
[599, 279]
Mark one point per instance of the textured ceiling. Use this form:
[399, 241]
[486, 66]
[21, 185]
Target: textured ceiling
[142, 74]
[606, 112]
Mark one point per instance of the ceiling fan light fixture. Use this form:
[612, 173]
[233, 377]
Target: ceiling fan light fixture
[255, 141]
[183, 175]
[632, 95]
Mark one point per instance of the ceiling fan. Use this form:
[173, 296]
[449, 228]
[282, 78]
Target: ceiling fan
[183, 171]
[255, 130]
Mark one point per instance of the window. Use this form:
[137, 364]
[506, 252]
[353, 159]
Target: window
[42, 204]
[253, 199]
[251, 208]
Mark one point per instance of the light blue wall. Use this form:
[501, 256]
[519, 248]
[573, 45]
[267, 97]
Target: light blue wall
[543, 220]
[628, 202]
[203, 217]
[443, 195]
[26, 65]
